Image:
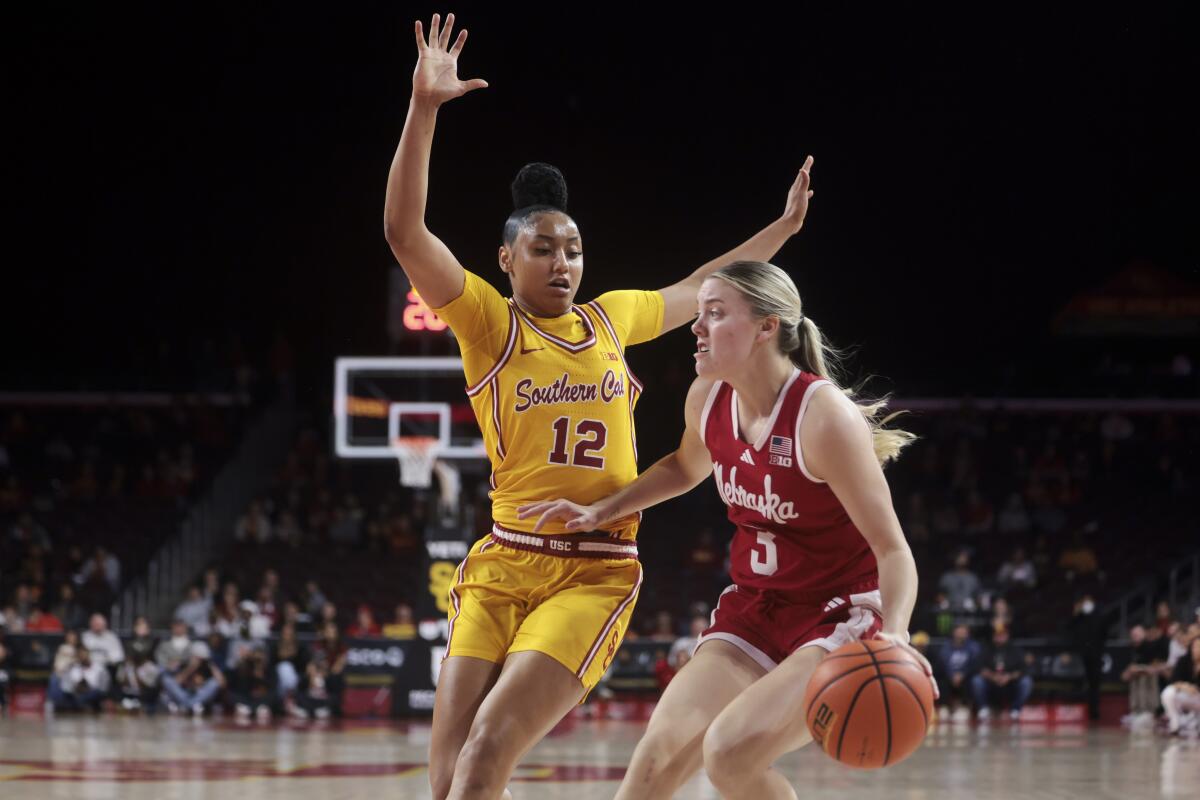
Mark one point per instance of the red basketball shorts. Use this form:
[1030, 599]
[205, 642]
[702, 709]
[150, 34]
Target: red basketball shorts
[768, 626]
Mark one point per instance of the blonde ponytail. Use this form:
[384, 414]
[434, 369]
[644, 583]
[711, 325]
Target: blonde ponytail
[771, 292]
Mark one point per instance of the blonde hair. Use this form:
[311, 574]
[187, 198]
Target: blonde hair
[771, 293]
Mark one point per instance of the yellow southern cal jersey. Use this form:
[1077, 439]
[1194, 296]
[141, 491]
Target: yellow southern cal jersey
[554, 397]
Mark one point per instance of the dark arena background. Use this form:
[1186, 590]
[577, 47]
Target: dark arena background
[211, 359]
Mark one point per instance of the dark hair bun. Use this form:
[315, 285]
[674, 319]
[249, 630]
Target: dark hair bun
[539, 184]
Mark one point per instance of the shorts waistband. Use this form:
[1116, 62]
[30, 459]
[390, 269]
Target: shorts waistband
[568, 545]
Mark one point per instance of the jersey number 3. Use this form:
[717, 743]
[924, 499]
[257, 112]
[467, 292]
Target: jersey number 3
[768, 562]
[592, 438]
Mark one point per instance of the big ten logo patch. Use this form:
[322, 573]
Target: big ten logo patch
[613, 641]
[441, 573]
[822, 721]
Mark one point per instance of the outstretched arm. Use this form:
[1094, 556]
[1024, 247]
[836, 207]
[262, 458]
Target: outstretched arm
[429, 264]
[671, 476]
[679, 299]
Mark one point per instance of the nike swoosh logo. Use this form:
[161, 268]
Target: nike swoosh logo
[531, 350]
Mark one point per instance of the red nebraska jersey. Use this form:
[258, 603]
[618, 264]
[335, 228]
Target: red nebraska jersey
[793, 535]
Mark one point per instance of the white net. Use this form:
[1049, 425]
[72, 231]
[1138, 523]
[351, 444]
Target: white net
[416, 455]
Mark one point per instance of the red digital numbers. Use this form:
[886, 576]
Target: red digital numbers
[418, 317]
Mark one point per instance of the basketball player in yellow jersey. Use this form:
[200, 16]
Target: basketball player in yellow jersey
[535, 618]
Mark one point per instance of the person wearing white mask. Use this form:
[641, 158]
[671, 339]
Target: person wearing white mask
[172, 653]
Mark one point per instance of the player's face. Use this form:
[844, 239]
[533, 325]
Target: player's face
[725, 330]
[545, 264]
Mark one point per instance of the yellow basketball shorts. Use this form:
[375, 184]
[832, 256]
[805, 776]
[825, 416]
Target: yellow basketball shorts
[568, 596]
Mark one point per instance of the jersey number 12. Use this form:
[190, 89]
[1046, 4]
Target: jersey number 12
[592, 438]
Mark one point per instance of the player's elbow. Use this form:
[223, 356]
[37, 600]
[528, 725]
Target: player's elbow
[890, 544]
[397, 236]
[401, 236]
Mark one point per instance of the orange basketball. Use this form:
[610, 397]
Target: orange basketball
[869, 704]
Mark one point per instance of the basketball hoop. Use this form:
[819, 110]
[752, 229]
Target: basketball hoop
[416, 455]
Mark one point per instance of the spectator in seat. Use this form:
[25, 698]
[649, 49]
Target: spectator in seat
[1001, 614]
[64, 658]
[138, 675]
[172, 654]
[211, 586]
[1181, 699]
[251, 634]
[292, 615]
[252, 687]
[1018, 570]
[1142, 675]
[314, 599]
[84, 685]
[402, 625]
[324, 682]
[101, 574]
[956, 665]
[960, 585]
[68, 610]
[1002, 678]
[254, 526]
[1163, 617]
[364, 626]
[291, 662]
[42, 621]
[194, 611]
[197, 685]
[1177, 643]
[328, 616]
[104, 645]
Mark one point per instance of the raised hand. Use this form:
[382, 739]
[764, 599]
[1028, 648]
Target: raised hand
[576, 517]
[798, 196]
[436, 77]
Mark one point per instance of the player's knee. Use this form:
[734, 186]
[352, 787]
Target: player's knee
[482, 754]
[657, 748]
[725, 756]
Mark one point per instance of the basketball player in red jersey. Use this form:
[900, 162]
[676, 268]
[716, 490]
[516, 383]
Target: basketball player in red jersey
[818, 558]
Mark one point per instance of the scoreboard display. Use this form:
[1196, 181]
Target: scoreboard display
[409, 317]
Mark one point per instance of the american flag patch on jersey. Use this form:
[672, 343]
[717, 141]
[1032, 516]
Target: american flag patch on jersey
[781, 446]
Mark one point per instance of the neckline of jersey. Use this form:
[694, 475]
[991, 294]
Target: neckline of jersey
[770, 423]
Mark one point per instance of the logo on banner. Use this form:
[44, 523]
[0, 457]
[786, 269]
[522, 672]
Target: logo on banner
[375, 657]
[446, 551]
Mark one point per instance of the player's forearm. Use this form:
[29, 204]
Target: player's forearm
[408, 178]
[668, 478]
[762, 246]
[897, 589]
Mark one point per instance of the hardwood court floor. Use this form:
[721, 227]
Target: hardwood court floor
[132, 758]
